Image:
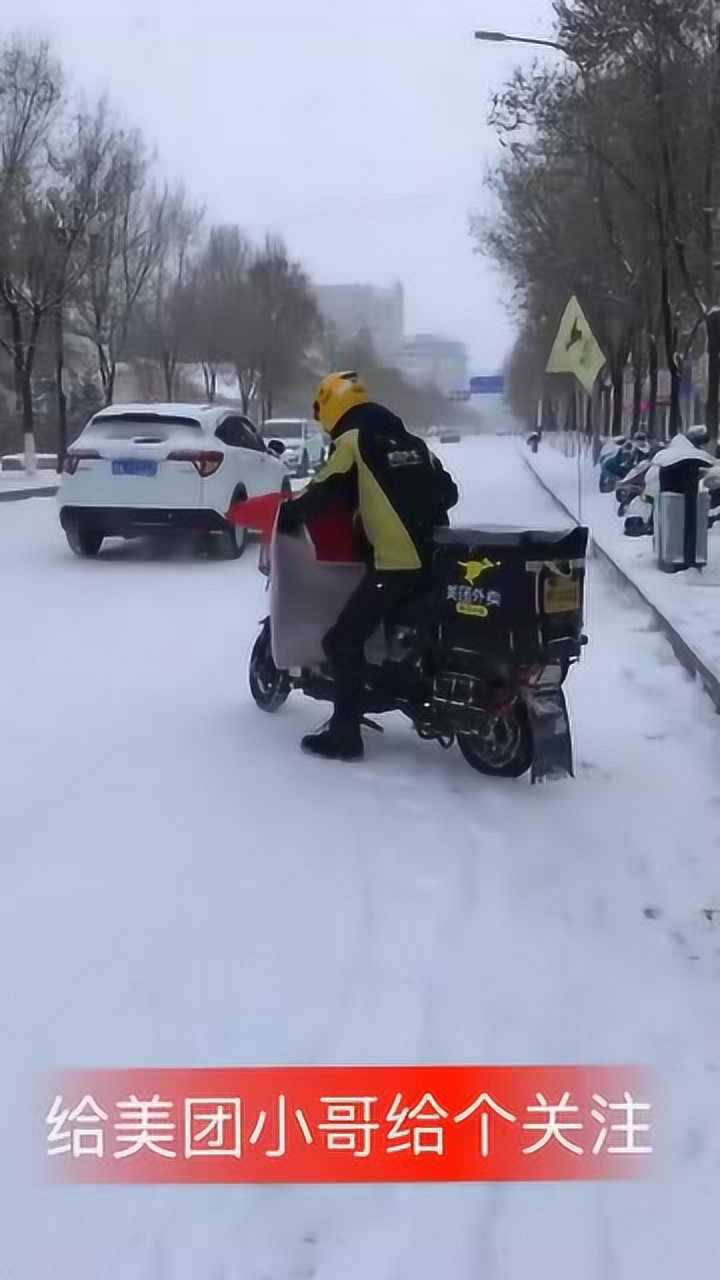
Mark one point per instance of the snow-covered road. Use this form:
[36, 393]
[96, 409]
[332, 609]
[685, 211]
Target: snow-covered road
[179, 886]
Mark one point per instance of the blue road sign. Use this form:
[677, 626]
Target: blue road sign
[492, 384]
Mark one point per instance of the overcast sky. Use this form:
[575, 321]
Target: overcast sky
[355, 127]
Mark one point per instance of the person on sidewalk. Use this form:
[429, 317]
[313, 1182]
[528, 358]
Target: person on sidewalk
[400, 493]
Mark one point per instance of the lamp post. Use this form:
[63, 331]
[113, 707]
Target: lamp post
[501, 37]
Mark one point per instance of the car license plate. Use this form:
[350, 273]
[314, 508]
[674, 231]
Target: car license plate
[134, 467]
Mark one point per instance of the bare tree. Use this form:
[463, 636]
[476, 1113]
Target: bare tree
[124, 246]
[668, 55]
[286, 320]
[622, 128]
[550, 239]
[79, 166]
[218, 305]
[31, 90]
[164, 322]
[87, 241]
[30, 98]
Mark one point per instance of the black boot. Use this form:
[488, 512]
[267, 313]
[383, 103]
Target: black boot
[339, 740]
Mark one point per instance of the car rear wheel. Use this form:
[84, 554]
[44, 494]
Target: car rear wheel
[235, 538]
[84, 542]
[234, 541]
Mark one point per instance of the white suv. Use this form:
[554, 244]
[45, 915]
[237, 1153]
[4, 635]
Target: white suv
[304, 445]
[138, 469]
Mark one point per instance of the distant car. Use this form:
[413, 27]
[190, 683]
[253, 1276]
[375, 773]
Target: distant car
[139, 469]
[304, 443]
[450, 437]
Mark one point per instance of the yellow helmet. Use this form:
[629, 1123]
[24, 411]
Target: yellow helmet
[337, 394]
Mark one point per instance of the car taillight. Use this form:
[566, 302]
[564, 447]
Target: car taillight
[205, 461]
[73, 459]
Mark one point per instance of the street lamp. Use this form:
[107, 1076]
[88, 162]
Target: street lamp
[501, 37]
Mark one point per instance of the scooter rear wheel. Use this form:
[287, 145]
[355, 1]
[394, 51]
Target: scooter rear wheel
[269, 687]
[506, 751]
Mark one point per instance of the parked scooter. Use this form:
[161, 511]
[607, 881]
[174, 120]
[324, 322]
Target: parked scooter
[615, 462]
[632, 486]
[637, 493]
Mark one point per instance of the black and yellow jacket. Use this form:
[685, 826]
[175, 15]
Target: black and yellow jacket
[399, 489]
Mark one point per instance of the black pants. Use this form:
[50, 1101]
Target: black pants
[371, 605]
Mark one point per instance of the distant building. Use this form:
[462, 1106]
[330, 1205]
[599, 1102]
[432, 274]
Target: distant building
[352, 309]
[428, 358]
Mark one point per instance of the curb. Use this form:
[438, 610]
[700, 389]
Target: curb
[683, 651]
[19, 495]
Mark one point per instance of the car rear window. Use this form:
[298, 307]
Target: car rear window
[124, 426]
[282, 430]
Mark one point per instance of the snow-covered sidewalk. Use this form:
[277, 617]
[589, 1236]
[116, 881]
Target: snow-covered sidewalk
[690, 602]
[18, 484]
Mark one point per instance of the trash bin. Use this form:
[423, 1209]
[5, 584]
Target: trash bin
[682, 517]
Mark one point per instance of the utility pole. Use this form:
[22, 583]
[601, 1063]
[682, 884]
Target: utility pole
[712, 323]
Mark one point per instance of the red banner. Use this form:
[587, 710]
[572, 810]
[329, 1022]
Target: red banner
[349, 1124]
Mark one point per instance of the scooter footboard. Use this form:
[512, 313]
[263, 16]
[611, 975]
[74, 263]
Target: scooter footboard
[551, 734]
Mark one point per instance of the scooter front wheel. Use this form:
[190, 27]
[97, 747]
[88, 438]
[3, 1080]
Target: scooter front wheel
[269, 687]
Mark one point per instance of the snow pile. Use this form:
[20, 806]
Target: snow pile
[690, 601]
[14, 462]
[19, 481]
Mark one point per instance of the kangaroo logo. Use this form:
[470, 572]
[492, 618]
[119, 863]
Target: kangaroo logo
[474, 569]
